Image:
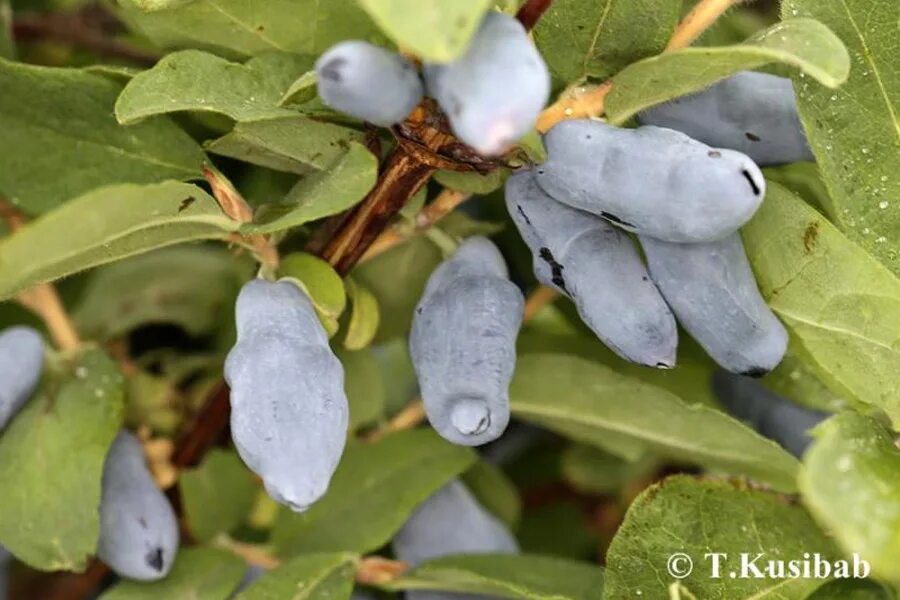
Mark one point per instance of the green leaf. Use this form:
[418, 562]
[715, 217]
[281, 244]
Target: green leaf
[193, 287]
[842, 307]
[849, 589]
[51, 464]
[198, 574]
[322, 284]
[152, 401]
[851, 482]
[364, 317]
[239, 28]
[301, 91]
[805, 180]
[293, 144]
[583, 400]
[375, 489]
[321, 194]
[519, 577]
[397, 279]
[104, 225]
[472, 182]
[802, 43]
[199, 81]
[434, 30]
[217, 495]
[306, 577]
[595, 471]
[855, 131]
[590, 38]
[494, 491]
[365, 386]
[698, 517]
[60, 139]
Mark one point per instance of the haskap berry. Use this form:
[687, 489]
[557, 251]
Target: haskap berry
[21, 363]
[289, 412]
[138, 528]
[768, 413]
[753, 113]
[711, 288]
[493, 94]
[598, 267]
[451, 522]
[463, 344]
[368, 82]
[652, 181]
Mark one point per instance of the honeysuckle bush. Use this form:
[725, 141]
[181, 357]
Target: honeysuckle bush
[157, 154]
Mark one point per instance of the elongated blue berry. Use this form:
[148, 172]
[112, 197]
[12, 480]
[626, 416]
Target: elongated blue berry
[138, 528]
[713, 292]
[598, 267]
[768, 413]
[451, 522]
[753, 113]
[463, 344]
[493, 94]
[289, 412]
[368, 82]
[21, 363]
[650, 180]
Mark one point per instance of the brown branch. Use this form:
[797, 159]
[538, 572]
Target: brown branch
[532, 11]
[423, 142]
[701, 17]
[91, 28]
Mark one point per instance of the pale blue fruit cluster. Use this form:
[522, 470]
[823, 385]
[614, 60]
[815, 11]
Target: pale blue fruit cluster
[685, 201]
[138, 528]
[599, 268]
[493, 94]
[768, 413]
[463, 344]
[650, 180]
[712, 290]
[368, 82]
[21, 363]
[289, 412]
[754, 113]
[450, 522]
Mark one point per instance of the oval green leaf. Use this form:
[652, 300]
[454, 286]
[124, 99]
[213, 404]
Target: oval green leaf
[841, 306]
[802, 43]
[108, 224]
[51, 464]
[851, 482]
[584, 401]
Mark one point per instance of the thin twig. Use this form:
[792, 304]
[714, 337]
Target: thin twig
[701, 18]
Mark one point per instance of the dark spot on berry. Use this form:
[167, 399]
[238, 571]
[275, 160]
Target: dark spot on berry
[749, 178]
[154, 559]
[645, 278]
[751, 136]
[522, 212]
[332, 69]
[714, 154]
[556, 269]
[142, 522]
[615, 219]
[755, 372]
